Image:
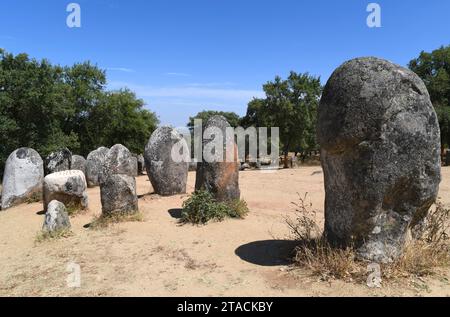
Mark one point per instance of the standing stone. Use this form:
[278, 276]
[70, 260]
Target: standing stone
[118, 195]
[23, 177]
[78, 163]
[68, 187]
[140, 164]
[380, 155]
[220, 175]
[167, 174]
[119, 160]
[58, 161]
[94, 166]
[56, 217]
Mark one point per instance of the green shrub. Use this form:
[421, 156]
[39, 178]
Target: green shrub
[201, 207]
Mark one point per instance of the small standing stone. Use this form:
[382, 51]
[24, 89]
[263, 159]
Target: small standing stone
[58, 161]
[68, 187]
[94, 166]
[56, 217]
[167, 174]
[118, 195]
[78, 163]
[23, 177]
[220, 176]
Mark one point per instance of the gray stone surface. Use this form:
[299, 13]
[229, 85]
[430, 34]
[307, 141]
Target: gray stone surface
[380, 155]
[168, 176]
[94, 166]
[119, 160]
[58, 161]
[78, 163]
[68, 187]
[118, 194]
[220, 177]
[22, 178]
[140, 164]
[56, 217]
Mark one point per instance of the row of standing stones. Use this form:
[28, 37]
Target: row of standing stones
[380, 152]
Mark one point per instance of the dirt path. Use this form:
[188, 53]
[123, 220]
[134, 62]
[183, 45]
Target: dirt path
[158, 257]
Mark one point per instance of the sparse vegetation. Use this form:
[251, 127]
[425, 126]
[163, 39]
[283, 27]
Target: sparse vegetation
[201, 207]
[45, 235]
[422, 256]
[104, 221]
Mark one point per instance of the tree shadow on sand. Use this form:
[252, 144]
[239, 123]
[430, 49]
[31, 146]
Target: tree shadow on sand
[267, 252]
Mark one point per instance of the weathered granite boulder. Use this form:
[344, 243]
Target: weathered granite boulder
[218, 173]
[68, 187]
[94, 166]
[58, 161]
[168, 174]
[380, 155]
[118, 194]
[22, 178]
[56, 217]
[119, 160]
[78, 164]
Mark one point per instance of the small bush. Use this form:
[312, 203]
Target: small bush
[104, 221]
[201, 207]
[421, 257]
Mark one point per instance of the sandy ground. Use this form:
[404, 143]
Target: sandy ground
[158, 257]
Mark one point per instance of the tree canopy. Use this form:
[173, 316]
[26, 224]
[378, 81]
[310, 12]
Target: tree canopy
[232, 118]
[291, 105]
[48, 107]
[434, 69]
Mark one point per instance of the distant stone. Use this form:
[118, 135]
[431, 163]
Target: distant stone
[78, 163]
[167, 174]
[118, 194]
[119, 161]
[58, 161]
[22, 178]
[193, 166]
[219, 176]
[380, 143]
[140, 164]
[94, 166]
[244, 166]
[56, 217]
[68, 187]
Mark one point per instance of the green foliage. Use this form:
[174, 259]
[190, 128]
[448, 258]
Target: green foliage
[47, 107]
[290, 105]
[201, 207]
[434, 69]
[232, 118]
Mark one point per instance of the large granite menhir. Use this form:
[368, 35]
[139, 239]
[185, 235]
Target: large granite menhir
[168, 174]
[94, 166]
[218, 172]
[380, 144]
[58, 161]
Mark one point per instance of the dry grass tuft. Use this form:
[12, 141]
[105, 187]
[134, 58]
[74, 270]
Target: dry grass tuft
[44, 236]
[422, 257]
[104, 221]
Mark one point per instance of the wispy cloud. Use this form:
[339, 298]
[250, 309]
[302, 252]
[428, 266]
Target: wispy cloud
[178, 74]
[192, 92]
[121, 69]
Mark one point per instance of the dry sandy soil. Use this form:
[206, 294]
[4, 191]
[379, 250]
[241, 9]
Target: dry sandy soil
[158, 257]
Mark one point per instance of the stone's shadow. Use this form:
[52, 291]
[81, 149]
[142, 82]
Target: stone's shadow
[267, 252]
[145, 195]
[175, 213]
[40, 213]
[87, 226]
[316, 173]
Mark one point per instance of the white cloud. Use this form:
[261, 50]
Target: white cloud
[190, 93]
[178, 74]
[121, 69]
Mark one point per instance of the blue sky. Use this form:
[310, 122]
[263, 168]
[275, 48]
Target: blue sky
[183, 56]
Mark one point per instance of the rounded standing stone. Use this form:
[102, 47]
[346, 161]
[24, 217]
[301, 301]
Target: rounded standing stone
[380, 154]
[23, 177]
[78, 163]
[56, 217]
[118, 194]
[166, 160]
[58, 161]
[218, 172]
[119, 160]
[94, 166]
[68, 187]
